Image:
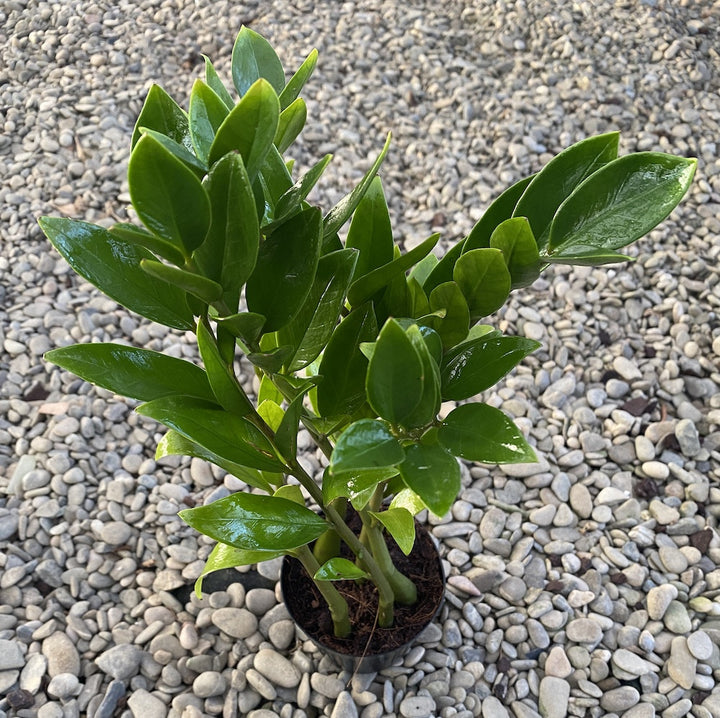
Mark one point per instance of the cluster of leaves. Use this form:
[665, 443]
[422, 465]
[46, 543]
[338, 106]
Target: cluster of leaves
[352, 338]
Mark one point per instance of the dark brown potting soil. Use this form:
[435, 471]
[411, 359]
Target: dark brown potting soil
[422, 566]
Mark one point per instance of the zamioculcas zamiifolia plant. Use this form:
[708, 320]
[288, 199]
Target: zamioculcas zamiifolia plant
[350, 337]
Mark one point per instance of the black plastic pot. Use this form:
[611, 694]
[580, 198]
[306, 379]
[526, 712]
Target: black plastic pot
[371, 660]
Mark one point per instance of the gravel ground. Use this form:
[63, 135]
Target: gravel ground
[585, 585]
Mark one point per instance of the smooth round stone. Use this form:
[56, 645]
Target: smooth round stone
[513, 589]
[658, 600]
[235, 622]
[260, 600]
[700, 645]
[676, 618]
[584, 630]
[345, 707]
[553, 697]
[673, 559]
[120, 662]
[209, 683]
[282, 634]
[630, 662]
[116, 533]
[620, 699]
[656, 470]
[581, 500]
[557, 663]
[327, 685]
[417, 706]
[276, 668]
[61, 654]
[63, 686]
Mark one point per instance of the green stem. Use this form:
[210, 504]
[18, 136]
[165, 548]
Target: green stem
[337, 604]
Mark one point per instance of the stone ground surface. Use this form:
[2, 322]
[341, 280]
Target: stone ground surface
[585, 585]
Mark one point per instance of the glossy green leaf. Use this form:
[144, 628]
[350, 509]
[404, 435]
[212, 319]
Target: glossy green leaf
[478, 331]
[557, 180]
[224, 556]
[271, 413]
[290, 124]
[400, 524]
[481, 364]
[341, 212]
[206, 113]
[204, 289]
[253, 58]
[179, 151]
[137, 235]
[421, 271]
[584, 257]
[268, 390]
[113, 266]
[515, 240]
[246, 326]
[230, 250]
[478, 432]
[343, 366]
[365, 445]
[219, 431]
[136, 373]
[367, 286]
[453, 326]
[370, 231]
[291, 492]
[620, 203]
[500, 210]
[162, 114]
[355, 484]
[175, 444]
[395, 300]
[484, 280]
[285, 269]
[217, 85]
[419, 302]
[272, 184]
[167, 196]
[254, 522]
[291, 201]
[394, 381]
[228, 392]
[429, 404]
[339, 569]
[287, 431]
[272, 360]
[298, 80]
[442, 272]
[308, 333]
[407, 499]
[433, 474]
[249, 128]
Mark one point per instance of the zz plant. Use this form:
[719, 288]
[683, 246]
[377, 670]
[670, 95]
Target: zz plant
[350, 337]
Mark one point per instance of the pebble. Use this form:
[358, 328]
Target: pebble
[682, 664]
[700, 645]
[584, 630]
[208, 684]
[61, 654]
[235, 622]
[121, 662]
[553, 698]
[557, 663]
[146, 705]
[417, 707]
[658, 600]
[344, 707]
[276, 668]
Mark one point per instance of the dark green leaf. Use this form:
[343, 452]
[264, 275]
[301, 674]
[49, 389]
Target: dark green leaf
[249, 128]
[167, 196]
[354, 485]
[222, 433]
[554, 183]
[478, 432]
[272, 360]
[298, 80]
[309, 332]
[285, 269]
[290, 124]
[370, 231]
[113, 266]
[256, 523]
[179, 151]
[273, 183]
[394, 381]
[228, 392]
[223, 556]
[136, 373]
[453, 326]
[246, 326]
[291, 492]
[286, 433]
[364, 288]
[365, 445]
[484, 280]
[175, 444]
[204, 289]
[433, 474]
[162, 114]
[500, 210]
[207, 112]
[481, 364]
[400, 525]
[339, 569]
[515, 240]
[229, 252]
[137, 235]
[343, 365]
[442, 272]
[429, 405]
[252, 58]
[620, 203]
[212, 79]
[419, 302]
[584, 257]
[341, 212]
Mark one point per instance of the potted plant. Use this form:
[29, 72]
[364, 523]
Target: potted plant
[351, 339]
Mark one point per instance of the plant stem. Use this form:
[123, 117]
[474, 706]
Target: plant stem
[336, 603]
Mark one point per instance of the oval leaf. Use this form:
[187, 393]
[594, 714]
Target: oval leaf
[204, 289]
[339, 569]
[484, 280]
[433, 474]
[515, 240]
[366, 444]
[253, 57]
[620, 203]
[290, 124]
[256, 523]
[400, 525]
[298, 80]
[454, 325]
[207, 112]
[478, 432]
[162, 114]
[113, 266]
